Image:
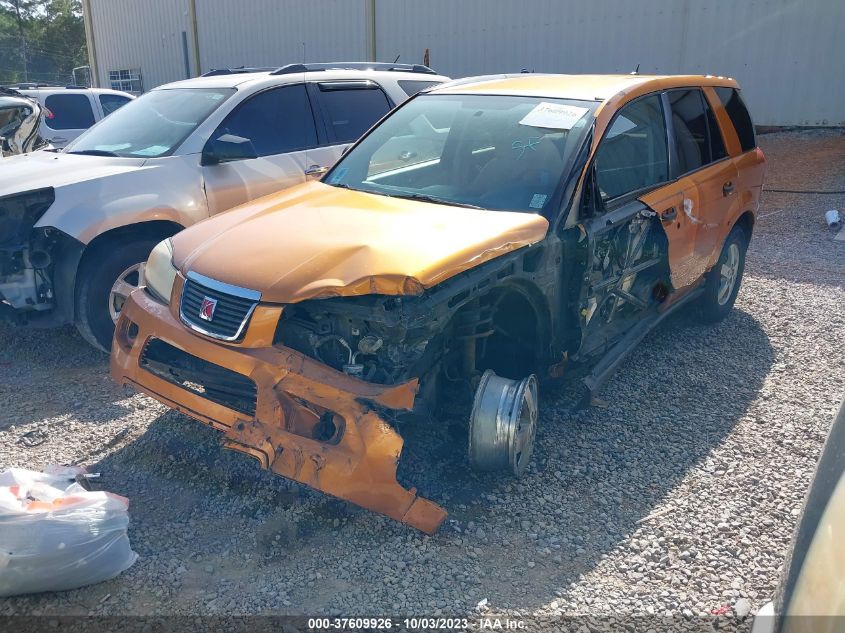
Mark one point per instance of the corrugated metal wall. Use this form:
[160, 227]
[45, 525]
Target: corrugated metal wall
[145, 34]
[787, 54]
[274, 33]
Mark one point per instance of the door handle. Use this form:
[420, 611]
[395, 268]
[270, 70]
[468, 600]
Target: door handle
[316, 170]
[669, 214]
[728, 188]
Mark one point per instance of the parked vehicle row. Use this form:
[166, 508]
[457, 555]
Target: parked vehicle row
[69, 111]
[77, 226]
[482, 235]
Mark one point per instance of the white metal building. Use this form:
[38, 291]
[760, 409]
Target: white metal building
[787, 54]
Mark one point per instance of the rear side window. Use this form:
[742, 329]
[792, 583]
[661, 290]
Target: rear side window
[633, 154]
[69, 112]
[690, 124]
[413, 87]
[110, 103]
[717, 143]
[739, 116]
[351, 112]
[275, 121]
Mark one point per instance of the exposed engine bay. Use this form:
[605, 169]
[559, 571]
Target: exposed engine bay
[27, 255]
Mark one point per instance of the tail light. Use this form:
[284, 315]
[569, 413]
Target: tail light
[48, 114]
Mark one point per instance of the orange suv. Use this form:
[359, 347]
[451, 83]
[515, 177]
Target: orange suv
[482, 235]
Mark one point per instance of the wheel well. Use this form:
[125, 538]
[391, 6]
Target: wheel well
[746, 223]
[519, 325]
[157, 229]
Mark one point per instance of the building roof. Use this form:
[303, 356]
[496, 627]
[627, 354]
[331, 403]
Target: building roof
[579, 87]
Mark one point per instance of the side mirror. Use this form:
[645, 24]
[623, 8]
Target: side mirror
[226, 148]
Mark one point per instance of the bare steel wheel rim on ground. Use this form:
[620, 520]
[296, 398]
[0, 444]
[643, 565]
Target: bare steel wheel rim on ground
[503, 423]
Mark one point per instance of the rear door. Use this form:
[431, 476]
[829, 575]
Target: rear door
[279, 123]
[348, 108]
[710, 203]
[68, 115]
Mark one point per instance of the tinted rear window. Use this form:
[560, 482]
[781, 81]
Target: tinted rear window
[110, 103]
[739, 117]
[717, 143]
[413, 87]
[69, 112]
[350, 113]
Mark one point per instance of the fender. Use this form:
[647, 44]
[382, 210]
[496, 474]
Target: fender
[162, 189]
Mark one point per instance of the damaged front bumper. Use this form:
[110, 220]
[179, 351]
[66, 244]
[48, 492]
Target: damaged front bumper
[297, 417]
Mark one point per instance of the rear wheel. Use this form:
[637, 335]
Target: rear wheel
[106, 278]
[723, 281]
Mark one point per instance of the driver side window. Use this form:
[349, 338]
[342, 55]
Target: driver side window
[633, 153]
[275, 121]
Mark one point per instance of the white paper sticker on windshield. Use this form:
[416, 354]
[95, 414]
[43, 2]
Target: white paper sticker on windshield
[553, 115]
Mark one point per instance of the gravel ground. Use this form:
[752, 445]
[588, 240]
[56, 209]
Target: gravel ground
[679, 497]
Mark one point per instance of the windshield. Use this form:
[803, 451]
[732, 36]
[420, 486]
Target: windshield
[154, 124]
[494, 152]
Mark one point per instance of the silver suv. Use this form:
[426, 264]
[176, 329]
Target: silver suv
[76, 226]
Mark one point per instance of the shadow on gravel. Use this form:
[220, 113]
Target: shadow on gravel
[38, 364]
[596, 473]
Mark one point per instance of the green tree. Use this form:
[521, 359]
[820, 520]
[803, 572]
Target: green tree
[41, 40]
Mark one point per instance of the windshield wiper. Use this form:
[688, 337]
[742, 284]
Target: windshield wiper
[95, 152]
[427, 198]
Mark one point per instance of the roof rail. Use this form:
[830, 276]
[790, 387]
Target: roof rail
[307, 68]
[29, 85]
[216, 72]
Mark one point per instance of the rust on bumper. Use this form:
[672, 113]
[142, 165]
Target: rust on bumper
[312, 424]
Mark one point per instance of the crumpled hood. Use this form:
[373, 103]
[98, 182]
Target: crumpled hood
[315, 240]
[38, 170]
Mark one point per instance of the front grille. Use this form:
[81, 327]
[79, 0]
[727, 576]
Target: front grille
[216, 383]
[231, 314]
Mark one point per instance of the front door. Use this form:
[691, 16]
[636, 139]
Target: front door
[279, 123]
[626, 247]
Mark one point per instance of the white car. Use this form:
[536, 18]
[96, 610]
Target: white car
[70, 111]
[77, 226]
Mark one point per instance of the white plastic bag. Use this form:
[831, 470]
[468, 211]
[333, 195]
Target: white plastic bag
[55, 535]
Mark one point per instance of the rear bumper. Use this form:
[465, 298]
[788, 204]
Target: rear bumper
[311, 423]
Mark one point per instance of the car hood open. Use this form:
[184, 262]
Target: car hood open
[315, 240]
[38, 170]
